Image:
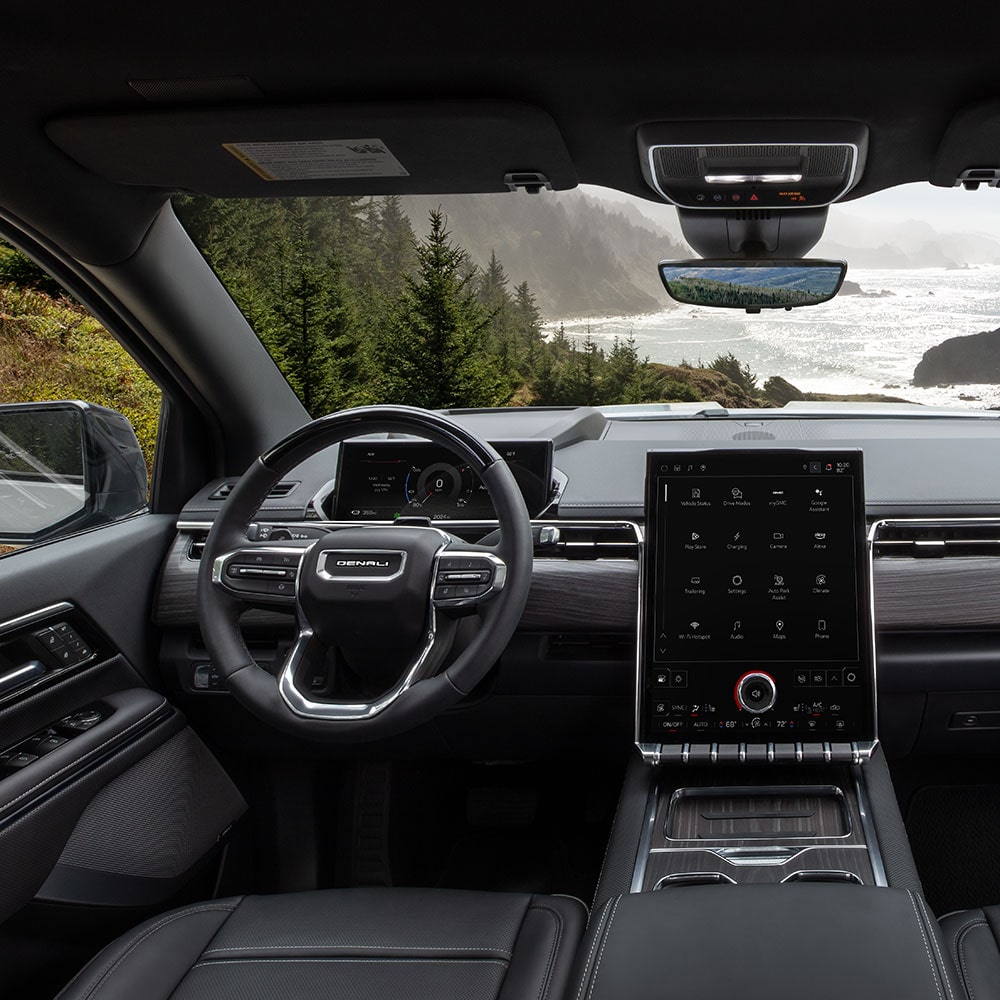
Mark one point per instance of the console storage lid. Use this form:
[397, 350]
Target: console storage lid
[824, 941]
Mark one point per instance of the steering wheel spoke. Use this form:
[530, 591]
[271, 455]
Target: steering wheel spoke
[304, 676]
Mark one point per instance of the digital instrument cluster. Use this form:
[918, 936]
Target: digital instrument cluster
[385, 480]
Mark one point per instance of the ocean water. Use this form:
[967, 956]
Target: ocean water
[849, 345]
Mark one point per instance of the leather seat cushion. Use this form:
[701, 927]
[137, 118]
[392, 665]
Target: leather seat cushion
[973, 938]
[345, 943]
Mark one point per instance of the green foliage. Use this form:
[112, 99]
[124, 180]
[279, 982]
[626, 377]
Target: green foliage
[53, 349]
[16, 269]
[355, 309]
[730, 366]
[435, 357]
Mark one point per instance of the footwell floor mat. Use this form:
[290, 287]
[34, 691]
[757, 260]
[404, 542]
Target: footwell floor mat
[955, 835]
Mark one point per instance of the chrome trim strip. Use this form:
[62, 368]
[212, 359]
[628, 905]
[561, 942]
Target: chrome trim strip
[869, 541]
[693, 878]
[868, 828]
[645, 840]
[326, 553]
[640, 642]
[721, 208]
[194, 526]
[749, 857]
[841, 876]
[53, 609]
[26, 621]
[344, 711]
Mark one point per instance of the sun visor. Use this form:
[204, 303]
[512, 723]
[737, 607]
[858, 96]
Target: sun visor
[969, 153]
[752, 164]
[419, 148]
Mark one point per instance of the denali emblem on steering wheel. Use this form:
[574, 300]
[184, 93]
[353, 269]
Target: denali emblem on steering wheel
[370, 565]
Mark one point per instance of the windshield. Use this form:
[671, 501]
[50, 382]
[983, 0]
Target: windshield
[555, 299]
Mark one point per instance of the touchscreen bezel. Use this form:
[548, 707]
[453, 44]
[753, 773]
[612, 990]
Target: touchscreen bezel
[648, 744]
[537, 502]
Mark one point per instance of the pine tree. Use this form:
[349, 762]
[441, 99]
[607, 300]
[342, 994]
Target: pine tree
[435, 357]
[311, 321]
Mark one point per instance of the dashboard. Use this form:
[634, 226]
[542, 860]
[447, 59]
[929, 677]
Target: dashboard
[925, 537]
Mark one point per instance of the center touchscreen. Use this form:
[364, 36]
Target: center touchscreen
[756, 607]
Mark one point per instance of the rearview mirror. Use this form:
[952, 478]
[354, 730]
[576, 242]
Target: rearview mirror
[65, 466]
[752, 284]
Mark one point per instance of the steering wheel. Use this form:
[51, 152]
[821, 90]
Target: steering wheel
[390, 593]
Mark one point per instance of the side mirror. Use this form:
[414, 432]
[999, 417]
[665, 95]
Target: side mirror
[752, 284]
[66, 466]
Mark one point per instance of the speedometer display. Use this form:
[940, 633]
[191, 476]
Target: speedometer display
[381, 481]
[440, 485]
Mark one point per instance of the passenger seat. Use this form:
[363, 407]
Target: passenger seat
[322, 945]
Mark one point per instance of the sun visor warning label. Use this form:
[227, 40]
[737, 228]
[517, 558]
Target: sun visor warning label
[316, 160]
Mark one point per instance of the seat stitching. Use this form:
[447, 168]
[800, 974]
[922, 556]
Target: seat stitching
[960, 948]
[934, 943]
[927, 947]
[955, 934]
[351, 961]
[593, 944]
[600, 956]
[75, 763]
[607, 849]
[129, 946]
[546, 983]
[359, 947]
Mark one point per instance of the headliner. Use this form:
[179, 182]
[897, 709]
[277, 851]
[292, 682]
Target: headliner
[906, 76]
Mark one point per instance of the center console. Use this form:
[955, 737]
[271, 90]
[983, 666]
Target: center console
[755, 670]
[758, 842]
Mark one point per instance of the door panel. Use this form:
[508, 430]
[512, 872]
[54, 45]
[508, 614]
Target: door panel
[94, 762]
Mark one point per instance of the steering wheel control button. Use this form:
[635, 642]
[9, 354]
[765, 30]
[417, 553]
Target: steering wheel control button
[756, 692]
[465, 579]
[260, 573]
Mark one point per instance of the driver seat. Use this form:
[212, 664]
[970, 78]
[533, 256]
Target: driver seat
[336, 944]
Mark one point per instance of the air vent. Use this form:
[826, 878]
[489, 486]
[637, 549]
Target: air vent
[277, 492]
[196, 546]
[922, 539]
[589, 541]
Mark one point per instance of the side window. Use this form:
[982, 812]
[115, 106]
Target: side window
[78, 416]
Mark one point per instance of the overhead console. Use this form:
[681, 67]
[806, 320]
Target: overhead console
[752, 164]
[756, 636]
[752, 189]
